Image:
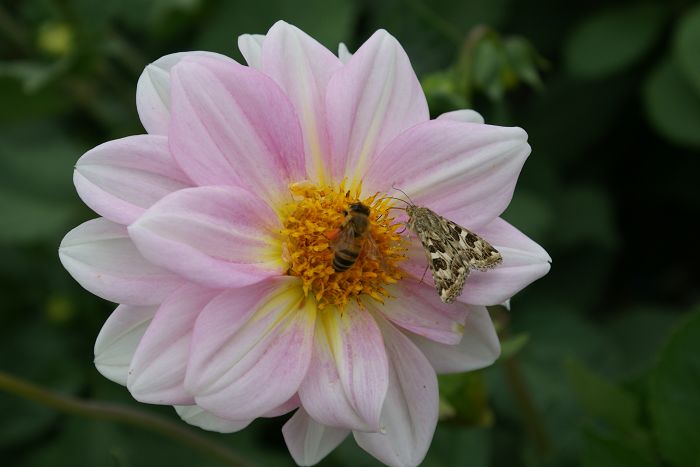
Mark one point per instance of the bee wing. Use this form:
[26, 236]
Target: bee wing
[372, 251]
[346, 235]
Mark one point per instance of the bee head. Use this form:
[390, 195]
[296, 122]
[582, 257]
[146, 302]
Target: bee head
[359, 207]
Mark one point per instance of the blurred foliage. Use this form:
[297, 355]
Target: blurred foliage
[600, 358]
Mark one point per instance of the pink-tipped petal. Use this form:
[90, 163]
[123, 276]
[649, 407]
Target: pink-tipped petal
[370, 101]
[157, 370]
[118, 339]
[418, 308]
[524, 261]
[464, 115]
[479, 347]
[250, 46]
[120, 179]
[410, 412]
[460, 170]
[303, 67]
[100, 255]
[348, 376]
[153, 91]
[232, 125]
[219, 237]
[251, 349]
[287, 407]
[309, 441]
[197, 416]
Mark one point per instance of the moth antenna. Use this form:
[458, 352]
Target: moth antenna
[404, 193]
[397, 199]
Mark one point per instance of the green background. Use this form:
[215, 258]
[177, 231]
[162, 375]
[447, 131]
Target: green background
[601, 363]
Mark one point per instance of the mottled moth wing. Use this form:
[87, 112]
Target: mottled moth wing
[451, 249]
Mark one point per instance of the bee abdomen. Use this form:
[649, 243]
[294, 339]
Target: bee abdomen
[344, 259]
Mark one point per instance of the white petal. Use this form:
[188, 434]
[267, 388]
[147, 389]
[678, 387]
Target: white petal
[157, 370]
[197, 416]
[251, 348]
[303, 67]
[478, 348]
[100, 255]
[122, 178]
[250, 46]
[153, 91]
[343, 53]
[464, 115]
[118, 339]
[410, 412]
[308, 441]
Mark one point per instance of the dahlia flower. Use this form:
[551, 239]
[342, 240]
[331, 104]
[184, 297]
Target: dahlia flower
[214, 241]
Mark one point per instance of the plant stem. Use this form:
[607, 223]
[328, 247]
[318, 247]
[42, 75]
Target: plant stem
[532, 418]
[121, 414]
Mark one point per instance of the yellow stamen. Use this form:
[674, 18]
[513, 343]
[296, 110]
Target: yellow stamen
[310, 223]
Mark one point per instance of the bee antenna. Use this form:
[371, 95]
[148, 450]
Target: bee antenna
[404, 193]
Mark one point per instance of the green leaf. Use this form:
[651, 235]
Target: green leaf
[513, 345]
[601, 398]
[466, 394]
[639, 334]
[613, 39]
[524, 60]
[490, 63]
[687, 46]
[672, 105]
[619, 450]
[674, 397]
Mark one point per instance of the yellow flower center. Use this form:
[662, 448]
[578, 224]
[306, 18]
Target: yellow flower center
[315, 232]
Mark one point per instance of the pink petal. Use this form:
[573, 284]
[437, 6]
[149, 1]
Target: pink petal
[120, 179]
[118, 339]
[478, 348]
[153, 91]
[372, 99]
[197, 416]
[460, 170]
[417, 307]
[157, 371]
[100, 255]
[348, 377]
[303, 67]
[410, 411]
[524, 261]
[250, 46]
[217, 236]
[251, 349]
[464, 115]
[232, 125]
[285, 408]
[309, 441]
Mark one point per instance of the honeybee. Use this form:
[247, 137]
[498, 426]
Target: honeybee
[353, 236]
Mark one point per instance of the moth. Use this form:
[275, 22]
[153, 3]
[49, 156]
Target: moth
[451, 249]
